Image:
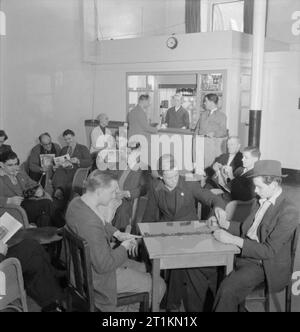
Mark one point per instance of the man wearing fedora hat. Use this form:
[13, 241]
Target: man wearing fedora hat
[264, 239]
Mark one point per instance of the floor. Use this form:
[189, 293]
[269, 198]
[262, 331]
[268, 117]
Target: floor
[277, 303]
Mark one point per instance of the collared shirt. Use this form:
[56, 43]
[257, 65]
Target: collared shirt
[213, 111]
[264, 206]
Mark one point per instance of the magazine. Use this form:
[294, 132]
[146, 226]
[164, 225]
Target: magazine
[8, 227]
[59, 161]
[47, 160]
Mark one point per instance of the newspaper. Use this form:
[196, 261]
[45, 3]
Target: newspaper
[8, 227]
[47, 160]
[59, 161]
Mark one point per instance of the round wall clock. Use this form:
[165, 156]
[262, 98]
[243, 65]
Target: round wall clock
[172, 43]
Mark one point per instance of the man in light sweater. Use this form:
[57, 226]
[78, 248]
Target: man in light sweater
[113, 272]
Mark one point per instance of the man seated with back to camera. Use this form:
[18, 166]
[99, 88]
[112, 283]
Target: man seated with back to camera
[16, 187]
[264, 239]
[45, 147]
[90, 217]
[171, 198]
[64, 174]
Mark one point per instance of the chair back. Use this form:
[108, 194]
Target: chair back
[78, 180]
[294, 245]
[238, 210]
[17, 212]
[14, 286]
[79, 272]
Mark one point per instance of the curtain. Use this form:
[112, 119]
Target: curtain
[192, 16]
[248, 16]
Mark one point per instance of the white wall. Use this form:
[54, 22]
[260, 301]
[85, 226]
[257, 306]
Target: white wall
[280, 134]
[47, 86]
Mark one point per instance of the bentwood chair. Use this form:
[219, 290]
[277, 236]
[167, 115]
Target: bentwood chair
[14, 295]
[78, 181]
[80, 282]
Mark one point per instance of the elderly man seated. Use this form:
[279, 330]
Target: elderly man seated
[264, 239]
[227, 163]
[89, 217]
[38, 274]
[16, 187]
[74, 155]
[38, 162]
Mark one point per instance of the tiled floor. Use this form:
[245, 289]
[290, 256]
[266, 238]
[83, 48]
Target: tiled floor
[277, 303]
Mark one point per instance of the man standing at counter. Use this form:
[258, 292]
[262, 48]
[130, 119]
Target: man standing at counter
[177, 116]
[212, 122]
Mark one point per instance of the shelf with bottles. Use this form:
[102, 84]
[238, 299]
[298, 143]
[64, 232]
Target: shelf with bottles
[212, 82]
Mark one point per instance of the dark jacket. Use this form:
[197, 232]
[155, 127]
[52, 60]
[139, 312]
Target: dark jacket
[236, 162]
[187, 194]
[242, 187]
[82, 153]
[275, 234]
[34, 161]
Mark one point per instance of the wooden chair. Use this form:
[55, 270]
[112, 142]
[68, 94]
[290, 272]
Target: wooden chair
[80, 282]
[78, 181]
[17, 212]
[238, 210]
[262, 293]
[139, 212]
[15, 295]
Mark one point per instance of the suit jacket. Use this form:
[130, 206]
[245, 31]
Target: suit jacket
[133, 181]
[81, 152]
[177, 119]
[138, 123]
[242, 187]
[215, 123]
[34, 158]
[105, 260]
[236, 162]
[275, 233]
[187, 194]
[7, 189]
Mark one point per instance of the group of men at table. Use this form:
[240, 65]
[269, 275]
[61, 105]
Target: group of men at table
[264, 238]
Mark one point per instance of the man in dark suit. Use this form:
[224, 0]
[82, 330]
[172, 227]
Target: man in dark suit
[212, 122]
[171, 198]
[264, 238]
[140, 130]
[38, 274]
[241, 185]
[230, 161]
[64, 174]
[46, 146]
[177, 116]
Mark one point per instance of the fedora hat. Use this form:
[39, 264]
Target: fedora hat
[267, 168]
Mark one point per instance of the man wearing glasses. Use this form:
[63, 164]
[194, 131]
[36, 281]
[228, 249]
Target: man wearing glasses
[45, 148]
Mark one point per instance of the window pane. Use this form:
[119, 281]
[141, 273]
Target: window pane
[228, 16]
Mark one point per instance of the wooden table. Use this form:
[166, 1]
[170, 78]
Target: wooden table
[174, 245]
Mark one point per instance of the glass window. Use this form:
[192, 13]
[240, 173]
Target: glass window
[228, 16]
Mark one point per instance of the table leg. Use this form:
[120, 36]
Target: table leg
[155, 285]
[229, 265]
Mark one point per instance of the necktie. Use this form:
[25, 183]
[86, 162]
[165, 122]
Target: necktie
[252, 232]
[70, 151]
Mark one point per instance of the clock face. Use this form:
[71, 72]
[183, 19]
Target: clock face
[172, 42]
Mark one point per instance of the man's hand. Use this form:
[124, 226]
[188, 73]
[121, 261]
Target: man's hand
[17, 200]
[222, 218]
[217, 166]
[75, 161]
[3, 248]
[227, 238]
[123, 194]
[212, 222]
[129, 245]
[125, 236]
